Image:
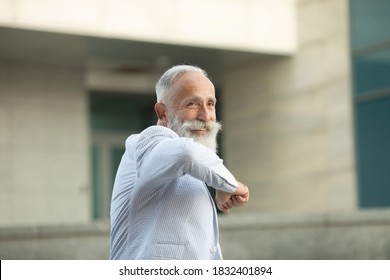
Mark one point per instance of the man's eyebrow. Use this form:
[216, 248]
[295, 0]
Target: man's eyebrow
[191, 98]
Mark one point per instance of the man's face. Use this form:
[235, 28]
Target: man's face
[192, 112]
[194, 99]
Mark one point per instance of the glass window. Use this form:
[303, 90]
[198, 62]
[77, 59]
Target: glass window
[372, 72]
[113, 117]
[373, 125]
[370, 22]
[370, 37]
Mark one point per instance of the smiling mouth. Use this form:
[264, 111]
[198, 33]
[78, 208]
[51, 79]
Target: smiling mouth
[199, 131]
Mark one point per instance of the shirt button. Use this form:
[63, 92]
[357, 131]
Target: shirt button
[213, 249]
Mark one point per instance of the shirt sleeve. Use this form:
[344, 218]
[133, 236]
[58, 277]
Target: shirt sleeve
[161, 156]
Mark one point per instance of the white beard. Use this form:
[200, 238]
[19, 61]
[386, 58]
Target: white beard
[184, 130]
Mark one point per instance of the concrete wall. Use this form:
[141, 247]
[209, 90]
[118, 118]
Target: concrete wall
[288, 122]
[223, 24]
[361, 235]
[348, 236]
[44, 145]
[64, 242]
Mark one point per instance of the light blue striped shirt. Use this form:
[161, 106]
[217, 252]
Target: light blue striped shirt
[161, 207]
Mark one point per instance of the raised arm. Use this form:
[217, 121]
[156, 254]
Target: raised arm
[162, 156]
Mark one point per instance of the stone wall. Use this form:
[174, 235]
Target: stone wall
[240, 25]
[288, 122]
[360, 235]
[44, 145]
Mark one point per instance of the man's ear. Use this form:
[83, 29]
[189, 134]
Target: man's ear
[161, 112]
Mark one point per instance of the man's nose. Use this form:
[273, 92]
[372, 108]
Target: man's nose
[204, 114]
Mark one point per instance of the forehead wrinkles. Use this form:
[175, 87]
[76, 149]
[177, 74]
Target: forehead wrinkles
[190, 84]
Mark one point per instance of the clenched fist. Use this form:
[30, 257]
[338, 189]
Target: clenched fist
[225, 201]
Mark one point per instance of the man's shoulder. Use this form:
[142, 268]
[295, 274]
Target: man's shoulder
[150, 137]
[157, 131]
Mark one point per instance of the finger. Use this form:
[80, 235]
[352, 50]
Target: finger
[235, 201]
[242, 199]
[227, 206]
[223, 208]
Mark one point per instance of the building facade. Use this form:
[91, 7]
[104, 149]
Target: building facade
[303, 89]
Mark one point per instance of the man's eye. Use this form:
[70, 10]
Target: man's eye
[192, 104]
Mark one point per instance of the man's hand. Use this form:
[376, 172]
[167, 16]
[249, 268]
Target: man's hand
[225, 201]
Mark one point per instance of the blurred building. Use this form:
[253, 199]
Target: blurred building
[303, 91]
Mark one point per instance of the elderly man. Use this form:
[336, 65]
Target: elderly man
[161, 207]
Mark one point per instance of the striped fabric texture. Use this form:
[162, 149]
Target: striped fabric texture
[161, 207]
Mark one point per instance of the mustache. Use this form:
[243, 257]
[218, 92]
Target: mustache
[184, 129]
[200, 125]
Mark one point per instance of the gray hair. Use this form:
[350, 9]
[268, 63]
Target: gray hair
[165, 84]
